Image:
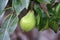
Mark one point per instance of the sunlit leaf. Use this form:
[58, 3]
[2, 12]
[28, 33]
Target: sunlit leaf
[3, 4]
[8, 26]
[5, 36]
[58, 11]
[19, 5]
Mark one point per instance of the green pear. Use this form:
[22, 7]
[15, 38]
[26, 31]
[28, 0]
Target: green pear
[28, 22]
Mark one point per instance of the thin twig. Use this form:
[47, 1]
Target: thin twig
[43, 6]
[7, 8]
[32, 5]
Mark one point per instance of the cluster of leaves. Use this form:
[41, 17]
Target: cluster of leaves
[48, 18]
[43, 21]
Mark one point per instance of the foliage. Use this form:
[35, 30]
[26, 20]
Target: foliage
[49, 18]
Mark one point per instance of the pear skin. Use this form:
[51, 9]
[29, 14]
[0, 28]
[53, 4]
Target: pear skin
[28, 22]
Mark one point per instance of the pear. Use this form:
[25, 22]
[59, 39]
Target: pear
[28, 22]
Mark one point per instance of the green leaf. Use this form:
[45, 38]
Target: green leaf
[46, 26]
[42, 19]
[8, 25]
[54, 25]
[3, 4]
[44, 23]
[3, 30]
[39, 14]
[5, 36]
[44, 1]
[2, 15]
[58, 11]
[38, 18]
[52, 1]
[19, 5]
[50, 10]
[13, 24]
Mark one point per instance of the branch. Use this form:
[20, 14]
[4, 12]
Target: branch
[43, 6]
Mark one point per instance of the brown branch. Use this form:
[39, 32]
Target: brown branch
[32, 5]
[43, 6]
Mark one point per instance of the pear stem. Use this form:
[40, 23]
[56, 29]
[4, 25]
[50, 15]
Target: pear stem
[32, 5]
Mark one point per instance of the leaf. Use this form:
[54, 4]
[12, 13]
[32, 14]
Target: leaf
[38, 19]
[52, 1]
[44, 1]
[46, 25]
[13, 24]
[5, 36]
[39, 14]
[58, 11]
[50, 10]
[54, 25]
[42, 22]
[9, 25]
[19, 5]
[3, 4]
[4, 30]
[2, 15]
